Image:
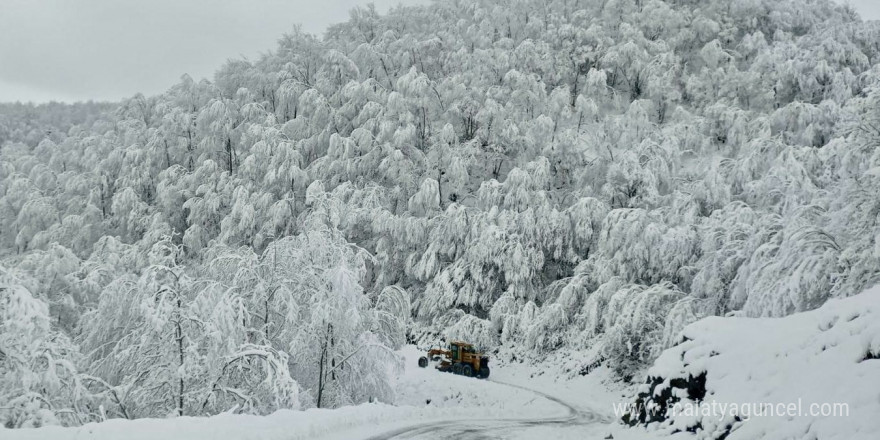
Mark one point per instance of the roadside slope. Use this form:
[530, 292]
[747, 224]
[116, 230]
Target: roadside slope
[819, 372]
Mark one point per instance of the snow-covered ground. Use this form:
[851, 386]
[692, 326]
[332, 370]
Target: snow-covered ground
[824, 356]
[818, 371]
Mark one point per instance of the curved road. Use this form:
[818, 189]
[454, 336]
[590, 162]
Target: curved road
[473, 429]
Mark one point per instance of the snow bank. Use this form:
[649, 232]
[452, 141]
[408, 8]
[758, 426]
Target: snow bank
[806, 367]
[281, 425]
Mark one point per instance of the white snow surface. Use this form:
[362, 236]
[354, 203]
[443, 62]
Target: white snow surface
[816, 357]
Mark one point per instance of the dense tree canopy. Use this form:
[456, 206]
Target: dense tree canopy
[589, 174]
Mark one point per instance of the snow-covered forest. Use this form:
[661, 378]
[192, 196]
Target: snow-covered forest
[544, 175]
[30, 124]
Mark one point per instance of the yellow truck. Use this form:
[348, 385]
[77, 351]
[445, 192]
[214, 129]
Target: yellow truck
[459, 358]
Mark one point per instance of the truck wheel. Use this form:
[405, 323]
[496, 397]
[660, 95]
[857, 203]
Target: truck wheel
[467, 370]
[456, 368]
[423, 362]
[484, 373]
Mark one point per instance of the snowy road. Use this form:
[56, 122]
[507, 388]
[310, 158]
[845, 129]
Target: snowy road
[474, 429]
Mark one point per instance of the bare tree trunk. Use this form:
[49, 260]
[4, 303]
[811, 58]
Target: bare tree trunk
[180, 354]
[230, 154]
[440, 186]
[321, 362]
[266, 320]
[321, 376]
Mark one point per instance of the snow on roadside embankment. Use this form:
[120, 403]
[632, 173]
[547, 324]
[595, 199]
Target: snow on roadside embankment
[422, 395]
[813, 375]
[472, 396]
[557, 375]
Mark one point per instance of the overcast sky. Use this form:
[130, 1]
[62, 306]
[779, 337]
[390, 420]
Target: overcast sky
[71, 50]
[869, 9]
[109, 49]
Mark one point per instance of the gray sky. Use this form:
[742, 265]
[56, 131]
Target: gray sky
[70, 50]
[869, 9]
[109, 49]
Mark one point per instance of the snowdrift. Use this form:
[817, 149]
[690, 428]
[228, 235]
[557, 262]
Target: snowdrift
[281, 425]
[811, 375]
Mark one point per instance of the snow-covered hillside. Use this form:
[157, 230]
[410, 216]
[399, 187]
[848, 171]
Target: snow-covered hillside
[537, 177]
